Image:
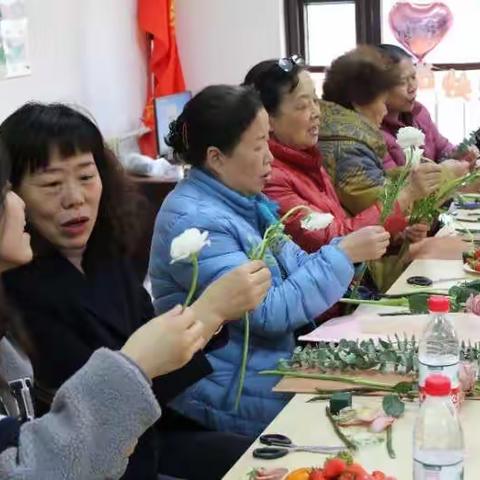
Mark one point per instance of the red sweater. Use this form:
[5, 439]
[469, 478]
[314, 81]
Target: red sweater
[298, 178]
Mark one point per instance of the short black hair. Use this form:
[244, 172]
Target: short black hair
[35, 131]
[394, 53]
[272, 82]
[359, 77]
[215, 117]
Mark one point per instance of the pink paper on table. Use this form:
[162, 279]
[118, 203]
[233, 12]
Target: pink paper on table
[347, 327]
[363, 327]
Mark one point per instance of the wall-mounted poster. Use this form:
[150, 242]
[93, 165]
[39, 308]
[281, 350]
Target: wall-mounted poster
[14, 56]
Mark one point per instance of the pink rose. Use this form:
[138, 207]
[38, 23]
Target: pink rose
[473, 304]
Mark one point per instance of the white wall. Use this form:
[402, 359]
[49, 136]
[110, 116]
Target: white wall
[89, 52]
[86, 52]
[219, 40]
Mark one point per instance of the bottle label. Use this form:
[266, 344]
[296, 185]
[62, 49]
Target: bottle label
[425, 471]
[450, 371]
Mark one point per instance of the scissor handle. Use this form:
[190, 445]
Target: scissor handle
[269, 453]
[276, 439]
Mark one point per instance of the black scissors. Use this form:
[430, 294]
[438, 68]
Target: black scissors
[280, 445]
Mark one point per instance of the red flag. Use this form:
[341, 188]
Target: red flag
[165, 76]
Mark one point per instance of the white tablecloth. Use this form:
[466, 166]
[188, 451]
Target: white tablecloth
[305, 423]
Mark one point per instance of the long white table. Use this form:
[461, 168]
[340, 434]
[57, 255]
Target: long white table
[306, 423]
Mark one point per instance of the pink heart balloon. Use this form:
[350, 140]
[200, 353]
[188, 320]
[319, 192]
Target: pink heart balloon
[420, 28]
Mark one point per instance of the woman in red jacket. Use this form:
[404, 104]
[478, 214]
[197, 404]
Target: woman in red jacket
[298, 178]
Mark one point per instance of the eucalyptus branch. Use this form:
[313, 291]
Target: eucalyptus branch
[330, 361]
[469, 141]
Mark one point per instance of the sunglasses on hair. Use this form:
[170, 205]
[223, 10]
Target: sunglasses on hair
[287, 63]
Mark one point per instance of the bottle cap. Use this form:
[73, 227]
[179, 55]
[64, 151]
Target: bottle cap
[438, 304]
[437, 385]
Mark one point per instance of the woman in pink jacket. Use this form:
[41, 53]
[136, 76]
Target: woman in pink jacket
[405, 111]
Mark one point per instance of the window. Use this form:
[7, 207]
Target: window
[324, 38]
[321, 30]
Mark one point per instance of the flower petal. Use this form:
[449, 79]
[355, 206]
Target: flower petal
[408, 137]
[190, 242]
[381, 423]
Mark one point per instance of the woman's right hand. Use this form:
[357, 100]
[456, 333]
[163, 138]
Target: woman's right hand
[368, 243]
[234, 293]
[424, 180]
[166, 343]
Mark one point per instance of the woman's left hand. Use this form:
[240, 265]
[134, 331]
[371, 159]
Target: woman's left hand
[458, 168]
[416, 233]
[471, 154]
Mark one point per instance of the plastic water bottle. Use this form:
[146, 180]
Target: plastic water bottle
[439, 348]
[438, 449]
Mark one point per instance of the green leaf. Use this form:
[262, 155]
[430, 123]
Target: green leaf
[403, 388]
[385, 345]
[348, 358]
[393, 406]
[418, 303]
[474, 285]
[388, 356]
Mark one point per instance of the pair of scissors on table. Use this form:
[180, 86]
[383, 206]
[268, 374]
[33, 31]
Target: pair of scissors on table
[280, 445]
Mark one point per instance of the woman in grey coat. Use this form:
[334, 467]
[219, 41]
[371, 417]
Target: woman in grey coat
[98, 414]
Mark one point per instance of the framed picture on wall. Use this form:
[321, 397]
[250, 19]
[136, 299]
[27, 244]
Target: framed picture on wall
[14, 55]
[167, 109]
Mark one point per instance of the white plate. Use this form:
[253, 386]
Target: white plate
[469, 269]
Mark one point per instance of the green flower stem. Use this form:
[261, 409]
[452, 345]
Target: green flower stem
[428, 208]
[243, 366]
[331, 378]
[390, 450]
[193, 286]
[292, 211]
[386, 302]
[394, 186]
[348, 443]
[327, 394]
[258, 254]
[262, 248]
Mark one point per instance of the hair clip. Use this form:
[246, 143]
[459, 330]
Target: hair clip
[185, 135]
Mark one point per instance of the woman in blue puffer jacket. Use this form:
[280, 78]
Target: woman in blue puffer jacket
[223, 133]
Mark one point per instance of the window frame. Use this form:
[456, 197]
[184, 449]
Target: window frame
[367, 22]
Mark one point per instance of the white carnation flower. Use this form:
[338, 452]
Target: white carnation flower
[316, 221]
[189, 243]
[408, 137]
[414, 156]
